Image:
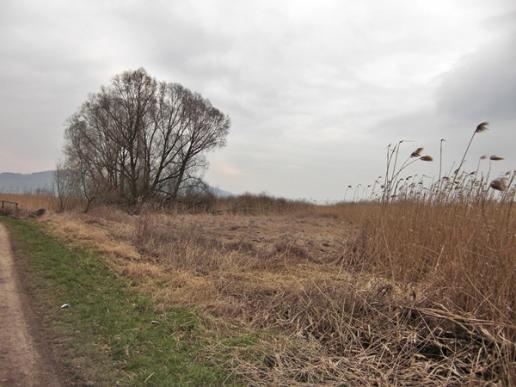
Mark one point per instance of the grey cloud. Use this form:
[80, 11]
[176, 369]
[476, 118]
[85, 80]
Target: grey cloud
[484, 84]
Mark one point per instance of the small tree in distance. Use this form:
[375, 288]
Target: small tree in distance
[139, 139]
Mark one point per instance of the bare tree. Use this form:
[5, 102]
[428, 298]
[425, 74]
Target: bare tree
[64, 187]
[139, 138]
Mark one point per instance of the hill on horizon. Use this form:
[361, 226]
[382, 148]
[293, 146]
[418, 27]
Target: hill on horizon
[37, 182]
[11, 182]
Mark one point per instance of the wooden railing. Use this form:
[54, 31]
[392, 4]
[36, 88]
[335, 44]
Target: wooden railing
[6, 203]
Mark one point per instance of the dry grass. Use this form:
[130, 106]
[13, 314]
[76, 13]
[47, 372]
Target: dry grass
[260, 205]
[31, 202]
[464, 253]
[363, 293]
[248, 204]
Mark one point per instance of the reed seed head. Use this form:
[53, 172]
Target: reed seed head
[426, 158]
[416, 153]
[482, 127]
[495, 158]
[499, 184]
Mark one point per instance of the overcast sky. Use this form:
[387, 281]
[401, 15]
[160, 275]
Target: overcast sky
[315, 89]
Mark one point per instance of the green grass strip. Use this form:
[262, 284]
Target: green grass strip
[110, 335]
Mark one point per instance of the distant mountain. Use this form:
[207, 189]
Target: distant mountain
[220, 193]
[44, 181]
[26, 183]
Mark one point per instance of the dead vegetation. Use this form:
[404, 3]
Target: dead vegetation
[404, 294]
[31, 201]
[413, 287]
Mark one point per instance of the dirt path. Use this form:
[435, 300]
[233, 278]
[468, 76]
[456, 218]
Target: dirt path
[20, 362]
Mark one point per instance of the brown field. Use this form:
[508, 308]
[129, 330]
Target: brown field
[31, 202]
[405, 293]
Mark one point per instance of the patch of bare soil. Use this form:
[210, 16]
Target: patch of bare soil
[21, 364]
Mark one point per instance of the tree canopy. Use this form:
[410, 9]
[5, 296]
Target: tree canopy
[138, 139]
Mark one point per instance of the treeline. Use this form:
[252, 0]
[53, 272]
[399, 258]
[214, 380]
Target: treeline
[138, 139]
